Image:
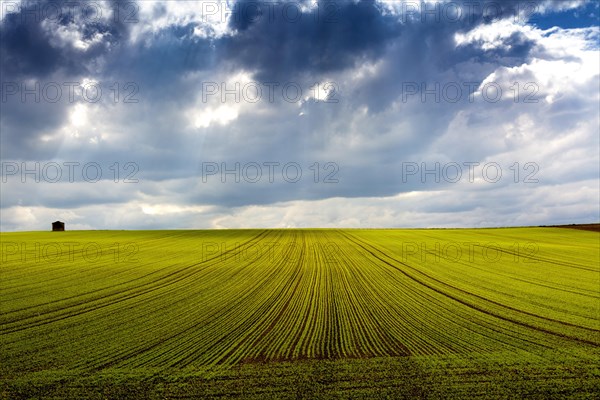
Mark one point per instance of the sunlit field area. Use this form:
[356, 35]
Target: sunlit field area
[502, 313]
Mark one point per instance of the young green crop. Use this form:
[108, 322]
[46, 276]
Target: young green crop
[208, 301]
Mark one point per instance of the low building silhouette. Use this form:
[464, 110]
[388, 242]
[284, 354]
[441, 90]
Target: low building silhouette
[58, 226]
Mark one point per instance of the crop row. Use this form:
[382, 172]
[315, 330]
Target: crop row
[171, 308]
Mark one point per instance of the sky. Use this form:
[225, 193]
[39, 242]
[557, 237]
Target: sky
[288, 114]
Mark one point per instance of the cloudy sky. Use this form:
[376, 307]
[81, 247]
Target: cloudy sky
[328, 113]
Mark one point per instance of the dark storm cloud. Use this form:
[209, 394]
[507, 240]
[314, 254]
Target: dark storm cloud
[159, 65]
[38, 53]
[337, 35]
[26, 47]
[311, 42]
[340, 35]
[268, 37]
[516, 48]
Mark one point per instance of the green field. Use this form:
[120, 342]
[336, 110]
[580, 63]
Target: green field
[490, 313]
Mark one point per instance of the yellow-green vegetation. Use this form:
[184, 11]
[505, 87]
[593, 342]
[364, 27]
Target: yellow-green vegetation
[316, 313]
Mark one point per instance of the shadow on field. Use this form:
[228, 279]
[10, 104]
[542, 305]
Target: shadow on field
[375, 378]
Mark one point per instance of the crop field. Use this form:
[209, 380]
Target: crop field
[463, 313]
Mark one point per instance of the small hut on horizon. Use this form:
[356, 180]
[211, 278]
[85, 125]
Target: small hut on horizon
[58, 226]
